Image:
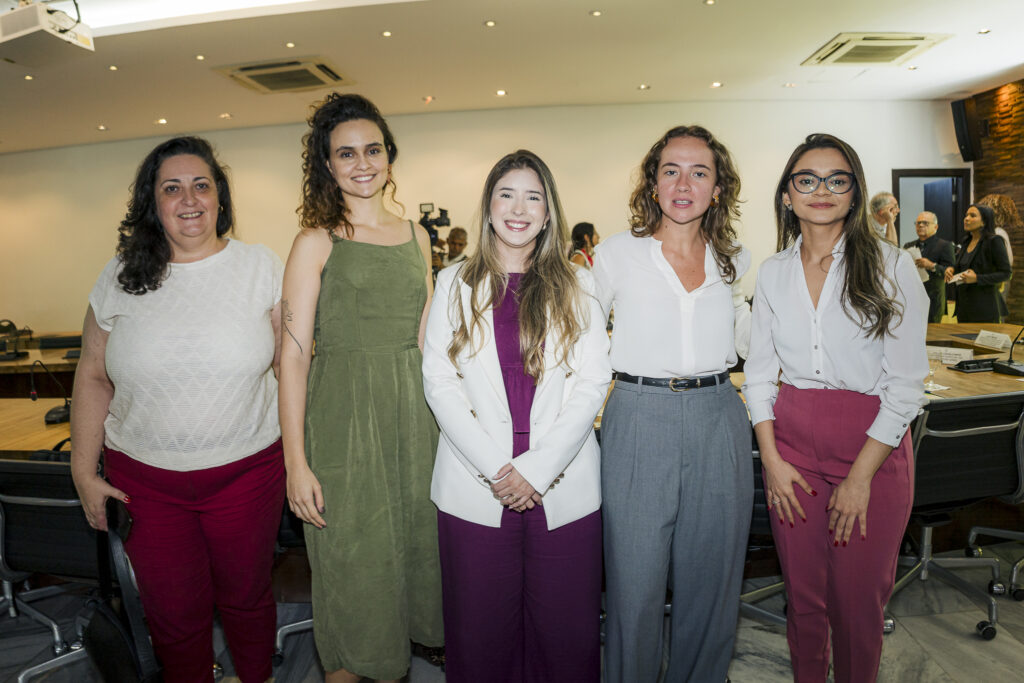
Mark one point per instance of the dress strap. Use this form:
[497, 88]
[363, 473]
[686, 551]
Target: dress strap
[412, 229]
[334, 237]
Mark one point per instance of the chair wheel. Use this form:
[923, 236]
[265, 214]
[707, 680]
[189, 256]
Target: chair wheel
[996, 588]
[888, 625]
[277, 659]
[986, 630]
[972, 551]
[1018, 594]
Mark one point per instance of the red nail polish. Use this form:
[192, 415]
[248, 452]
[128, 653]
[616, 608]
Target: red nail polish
[127, 499]
[780, 520]
[844, 544]
[837, 544]
[830, 532]
[814, 493]
[791, 526]
[804, 519]
[863, 538]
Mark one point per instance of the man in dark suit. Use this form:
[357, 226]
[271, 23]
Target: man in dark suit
[936, 256]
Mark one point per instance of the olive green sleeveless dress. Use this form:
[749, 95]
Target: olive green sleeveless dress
[370, 440]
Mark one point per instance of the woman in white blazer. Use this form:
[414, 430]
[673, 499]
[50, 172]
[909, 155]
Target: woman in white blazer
[515, 368]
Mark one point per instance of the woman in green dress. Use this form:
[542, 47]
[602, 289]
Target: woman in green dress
[358, 437]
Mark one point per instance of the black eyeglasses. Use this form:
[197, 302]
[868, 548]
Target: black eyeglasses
[837, 183]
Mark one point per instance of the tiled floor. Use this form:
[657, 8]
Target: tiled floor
[934, 641]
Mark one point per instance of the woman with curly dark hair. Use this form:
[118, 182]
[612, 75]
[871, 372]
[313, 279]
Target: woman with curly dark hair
[176, 391]
[834, 378]
[675, 440]
[359, 439]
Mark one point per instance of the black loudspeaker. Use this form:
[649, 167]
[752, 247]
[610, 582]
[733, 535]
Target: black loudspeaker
[965, 123]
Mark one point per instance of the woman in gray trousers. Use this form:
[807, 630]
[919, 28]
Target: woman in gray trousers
[676, 478]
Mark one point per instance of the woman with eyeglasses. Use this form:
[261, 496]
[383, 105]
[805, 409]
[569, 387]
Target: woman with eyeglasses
[842, 315]
[981, 265]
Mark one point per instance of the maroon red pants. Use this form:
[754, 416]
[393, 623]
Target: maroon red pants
[202, 539]
[820, 432]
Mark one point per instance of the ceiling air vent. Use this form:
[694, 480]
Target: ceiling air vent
[291, 75]
[873, 49]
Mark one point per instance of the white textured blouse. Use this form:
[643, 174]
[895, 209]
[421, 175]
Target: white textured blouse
[662, 330]
[191, 361]
[824, 348]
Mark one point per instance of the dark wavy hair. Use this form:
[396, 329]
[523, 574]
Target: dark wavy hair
[716, 226]
[579, 232]
[323, 205]
[142, 244]
[865, 296]
[988, 223]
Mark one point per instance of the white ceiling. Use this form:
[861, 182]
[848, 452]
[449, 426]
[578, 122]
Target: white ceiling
[543, 52]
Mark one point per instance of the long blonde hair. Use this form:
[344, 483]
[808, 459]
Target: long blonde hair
[550, 298]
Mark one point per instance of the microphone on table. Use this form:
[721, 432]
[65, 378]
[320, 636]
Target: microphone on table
[1010, 366]
[57, 414]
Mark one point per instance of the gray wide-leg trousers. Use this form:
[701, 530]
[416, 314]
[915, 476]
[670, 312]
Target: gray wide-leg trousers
[677, 486]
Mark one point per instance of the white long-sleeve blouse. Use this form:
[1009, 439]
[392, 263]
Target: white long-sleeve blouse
[825, 348]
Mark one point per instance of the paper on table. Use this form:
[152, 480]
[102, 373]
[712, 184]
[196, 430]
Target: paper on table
[915, 253]
[949, 355]
[993, 340]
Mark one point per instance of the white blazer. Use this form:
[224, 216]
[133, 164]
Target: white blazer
[471, 407]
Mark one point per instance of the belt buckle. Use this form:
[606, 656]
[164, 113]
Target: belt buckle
[672, 384]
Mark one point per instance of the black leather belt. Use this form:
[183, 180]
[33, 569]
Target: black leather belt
[675, 383]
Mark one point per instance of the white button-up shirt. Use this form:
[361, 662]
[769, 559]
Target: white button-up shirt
[661, 330]
[824, 348]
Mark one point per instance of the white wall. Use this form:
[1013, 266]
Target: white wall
[59, 209]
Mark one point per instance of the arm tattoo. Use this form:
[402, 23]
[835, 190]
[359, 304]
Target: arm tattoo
[287, 318]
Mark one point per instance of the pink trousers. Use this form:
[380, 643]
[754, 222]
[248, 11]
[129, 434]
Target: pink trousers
[200, 539]
[820, 432]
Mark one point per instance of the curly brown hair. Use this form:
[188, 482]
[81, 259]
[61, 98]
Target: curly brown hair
[716, 227]
[142, 244]
[1005, 210]
[323, 204]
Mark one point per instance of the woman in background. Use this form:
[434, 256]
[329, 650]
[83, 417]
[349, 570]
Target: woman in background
[842, 314]
[176, 390]
[981, 265]
[584, 239]
[676, 471]
[515, 368]
[358, 437]
[1007, 221]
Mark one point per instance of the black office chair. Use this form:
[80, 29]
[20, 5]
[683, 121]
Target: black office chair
[965, 451]
[43, 530]
[290, 536]
[1016, 498]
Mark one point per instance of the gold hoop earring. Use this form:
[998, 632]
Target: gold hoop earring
[714, 201]
[654, 195]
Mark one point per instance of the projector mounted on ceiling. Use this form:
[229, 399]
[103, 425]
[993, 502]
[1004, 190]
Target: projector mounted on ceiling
[36, 36]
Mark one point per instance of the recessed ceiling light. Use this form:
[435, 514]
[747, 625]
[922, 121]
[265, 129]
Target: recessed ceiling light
[985, 31]
[501, 93]
[595, 12]
[490, 23]
[716, 84]
[643, 86]
[708, 2]
[289, 44]
[161, 122]
[101, 127]
[200, 57]
[912, 67]
[112, 67]
[226, 115]
[29, 77]
[386, 34]
[789, 85]
[427, 99]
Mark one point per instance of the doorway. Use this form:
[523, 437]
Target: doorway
[946, 192]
